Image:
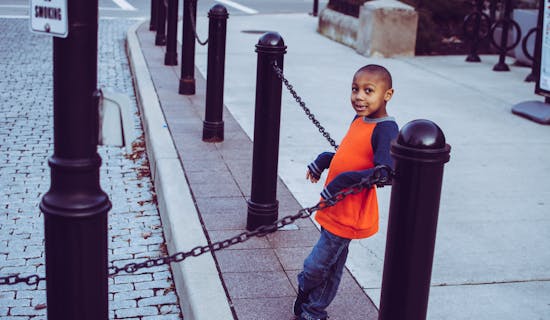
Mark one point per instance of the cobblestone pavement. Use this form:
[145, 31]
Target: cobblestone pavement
[26, 127]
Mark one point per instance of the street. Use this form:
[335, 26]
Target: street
[26, 127]
[140, 9]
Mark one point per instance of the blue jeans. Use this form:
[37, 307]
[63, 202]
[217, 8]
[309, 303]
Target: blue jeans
[323, 270]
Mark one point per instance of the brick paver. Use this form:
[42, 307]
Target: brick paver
[26, 127]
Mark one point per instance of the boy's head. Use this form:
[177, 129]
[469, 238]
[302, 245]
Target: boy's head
[371, 89]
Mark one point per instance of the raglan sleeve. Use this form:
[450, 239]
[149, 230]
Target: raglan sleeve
[321, 163]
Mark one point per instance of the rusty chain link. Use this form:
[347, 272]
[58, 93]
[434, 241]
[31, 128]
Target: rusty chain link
[194, 24]
[377, 178]
[302, 104]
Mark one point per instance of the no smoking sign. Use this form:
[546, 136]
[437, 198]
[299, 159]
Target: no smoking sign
[49, 17]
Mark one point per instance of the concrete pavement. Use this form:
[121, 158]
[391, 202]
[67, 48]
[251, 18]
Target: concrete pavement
[491, 259]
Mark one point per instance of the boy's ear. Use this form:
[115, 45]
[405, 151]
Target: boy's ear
[388, 94]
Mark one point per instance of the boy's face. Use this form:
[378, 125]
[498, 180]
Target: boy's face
[369, 95]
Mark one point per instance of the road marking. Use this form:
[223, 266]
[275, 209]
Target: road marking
[124, 5]
[238, 6]
[13, 6]
[14, 17]
[110, 9]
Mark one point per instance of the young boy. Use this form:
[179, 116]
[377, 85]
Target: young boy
[365, 146]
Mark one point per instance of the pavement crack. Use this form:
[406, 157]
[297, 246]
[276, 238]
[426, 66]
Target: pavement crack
[488, 283]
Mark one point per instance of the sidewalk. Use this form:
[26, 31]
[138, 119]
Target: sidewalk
[491, 259]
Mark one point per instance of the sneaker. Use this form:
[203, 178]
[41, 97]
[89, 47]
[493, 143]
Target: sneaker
[301, 298]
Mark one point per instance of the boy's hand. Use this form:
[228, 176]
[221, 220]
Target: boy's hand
[311, 177]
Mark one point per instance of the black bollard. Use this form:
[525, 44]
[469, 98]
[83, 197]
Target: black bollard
[160, 38]
[503, 47]
[315, 8]
[153, 20]
[419, 152]
[212, 130]
[171, 55]
[263, 206]
[187, 78]
[475, 36]
[75, 208]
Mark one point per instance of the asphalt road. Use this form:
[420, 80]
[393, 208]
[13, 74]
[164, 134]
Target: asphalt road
[140, 9]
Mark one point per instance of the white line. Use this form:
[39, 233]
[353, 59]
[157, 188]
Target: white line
[14, 17]
[124, 5]
[110, 9]
[13, 6]
[238, 6]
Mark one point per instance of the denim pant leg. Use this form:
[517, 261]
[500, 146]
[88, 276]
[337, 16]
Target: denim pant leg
[322, 273]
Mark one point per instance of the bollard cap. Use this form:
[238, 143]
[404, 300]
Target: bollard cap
[271, 42]
[421, 140]
[218, 11]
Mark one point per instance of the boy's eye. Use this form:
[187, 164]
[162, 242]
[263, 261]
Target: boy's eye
[369, 90]
[353, 89]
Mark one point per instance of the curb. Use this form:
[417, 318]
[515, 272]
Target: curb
[198, 283]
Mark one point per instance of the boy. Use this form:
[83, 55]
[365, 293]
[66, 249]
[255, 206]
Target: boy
[365, 146]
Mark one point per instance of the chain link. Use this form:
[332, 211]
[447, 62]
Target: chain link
[15, 279]
[194, 24]
[377, 178]
[302, 104]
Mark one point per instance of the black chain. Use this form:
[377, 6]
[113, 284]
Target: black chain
[377, 178]
[302, 104]
[15, 279]
[194, 24]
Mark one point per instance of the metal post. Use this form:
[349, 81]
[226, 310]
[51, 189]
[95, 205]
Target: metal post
[187, 79]
[171, 55]
[153, 20]
[160, 38]
[213, 124]
[473, 56]
[501, 64]
[420, 152]
[263, 205]
[315, 8]
[75, 208]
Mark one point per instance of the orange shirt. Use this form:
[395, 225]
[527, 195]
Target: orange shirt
[356, 216]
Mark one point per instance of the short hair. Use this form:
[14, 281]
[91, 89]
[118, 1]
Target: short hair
[378, 70]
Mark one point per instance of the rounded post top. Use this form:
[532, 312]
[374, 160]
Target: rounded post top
[218, 11]
[421, 140]
[421, 134]
[271, 42]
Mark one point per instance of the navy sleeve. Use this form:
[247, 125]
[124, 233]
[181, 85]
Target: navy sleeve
[383, 134]
[320, 164]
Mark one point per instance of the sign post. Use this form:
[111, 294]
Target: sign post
[75, 208]
[539, 111]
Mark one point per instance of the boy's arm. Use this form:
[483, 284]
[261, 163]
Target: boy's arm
[382, 136]
[321, 163]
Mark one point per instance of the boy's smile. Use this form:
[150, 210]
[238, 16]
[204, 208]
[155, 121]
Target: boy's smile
[369, 94]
